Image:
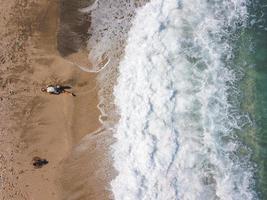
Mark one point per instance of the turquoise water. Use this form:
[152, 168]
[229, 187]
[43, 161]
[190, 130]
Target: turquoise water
[252, 59]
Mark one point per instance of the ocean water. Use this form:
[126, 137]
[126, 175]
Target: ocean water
[191, 95]
[252, 57]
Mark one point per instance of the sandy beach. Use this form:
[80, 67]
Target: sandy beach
[63, 129]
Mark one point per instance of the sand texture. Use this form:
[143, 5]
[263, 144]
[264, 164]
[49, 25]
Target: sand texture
[63, 129]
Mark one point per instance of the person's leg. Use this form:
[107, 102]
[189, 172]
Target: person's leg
[70, 93]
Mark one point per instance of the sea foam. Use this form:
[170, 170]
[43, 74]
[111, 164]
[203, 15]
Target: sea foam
[176, 135]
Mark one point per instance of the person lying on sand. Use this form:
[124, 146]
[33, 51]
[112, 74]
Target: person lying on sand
[58, 89]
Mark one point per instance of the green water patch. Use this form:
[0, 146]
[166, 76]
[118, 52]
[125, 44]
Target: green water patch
[252, 60]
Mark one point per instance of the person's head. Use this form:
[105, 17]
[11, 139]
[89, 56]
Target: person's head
[43, 89]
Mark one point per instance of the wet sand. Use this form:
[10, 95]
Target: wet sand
[63, 129]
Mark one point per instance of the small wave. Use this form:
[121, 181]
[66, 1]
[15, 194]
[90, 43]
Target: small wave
[176, 135]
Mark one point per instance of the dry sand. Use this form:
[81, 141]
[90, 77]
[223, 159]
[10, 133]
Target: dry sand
[56, 128]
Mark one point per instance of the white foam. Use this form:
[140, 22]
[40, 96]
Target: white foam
[175, 138]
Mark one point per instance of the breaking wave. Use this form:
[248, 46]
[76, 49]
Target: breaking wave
[177, 98]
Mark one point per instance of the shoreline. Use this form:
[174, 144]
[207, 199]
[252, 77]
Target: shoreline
[52, 127]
